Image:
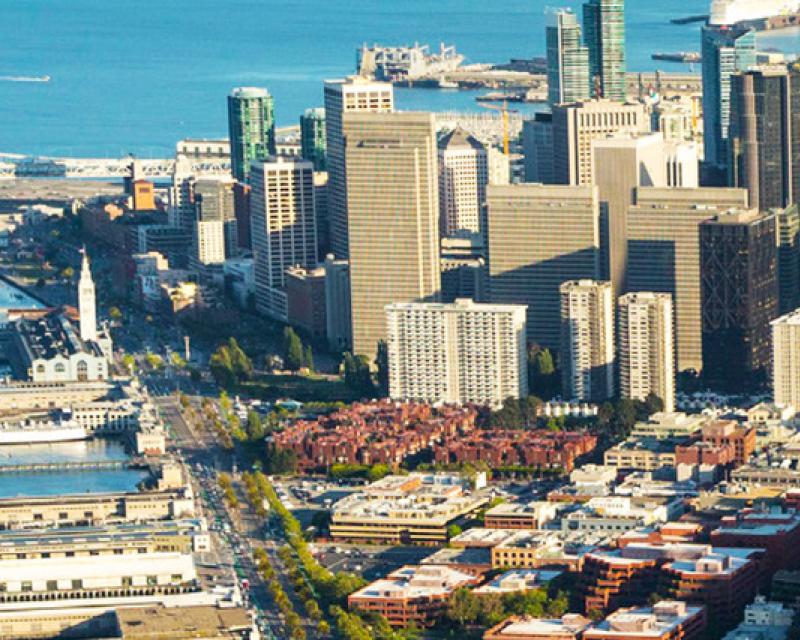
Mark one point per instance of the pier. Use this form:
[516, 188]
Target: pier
[58, 467]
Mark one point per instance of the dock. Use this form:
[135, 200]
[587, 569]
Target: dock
[84, 465]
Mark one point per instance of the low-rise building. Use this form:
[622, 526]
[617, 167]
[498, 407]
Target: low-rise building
[412, 594]
[668, 426]
[729, 432]
[305, 300]
[763, 620]
[665, 620]
[615, 514]
[417, 509]
[517, 515]
[516, 581]
[568, 627]
[538, 549]
[641, 454]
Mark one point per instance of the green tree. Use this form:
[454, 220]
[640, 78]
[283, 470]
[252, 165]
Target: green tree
[463, 607]
[543, 379]
[177, 360]
[357, 375]
[221, 367]
[652, 404]
[453, 530]
[68, 273]
[293, 349]
[114, 313]
[308, 357]
[255, 429]
[378, 471]
[530, 407]
[129, 362]
[509, 416]
[154, 361]
[241, 364]
[382, 366]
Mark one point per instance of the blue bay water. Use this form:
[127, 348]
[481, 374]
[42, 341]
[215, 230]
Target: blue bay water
[138, 76]
[55, 483]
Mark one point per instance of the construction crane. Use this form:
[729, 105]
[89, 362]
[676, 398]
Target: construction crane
[505, 111]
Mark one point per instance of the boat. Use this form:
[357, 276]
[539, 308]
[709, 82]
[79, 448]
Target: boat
[448, 84]
[25, 78]
[32, 432]
[690, 19]
[680, 56]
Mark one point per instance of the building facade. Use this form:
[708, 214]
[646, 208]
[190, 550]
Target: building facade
[283, 227]
[587, 340]
[786, 359]
[739, 283]
[463, 175]
[312, 137]
[539, 237]
[567, 60]
[604, 32]
[251, 128]
[646, 347]
[457, 353]
[393, 216]
[349, 95]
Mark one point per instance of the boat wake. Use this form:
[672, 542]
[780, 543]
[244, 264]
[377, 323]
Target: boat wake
[24, 78]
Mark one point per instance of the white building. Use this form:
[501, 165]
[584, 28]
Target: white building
[87, 307]
[683, 164]
[763, 620]
[460, 352]
[786, 359]
[209, 238]
[463, 174]
[587, 340]
[283, 227]
[646, 347]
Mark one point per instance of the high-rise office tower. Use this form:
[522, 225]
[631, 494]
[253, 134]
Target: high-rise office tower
[621, 164]
[209, 242]
[576, 125]
[537, 147]
[462, 352]
[786, 359]
[664, 254]
[339, 328]
[463, 175]
[312, 137]
[762, 135]
[726, 50]
[646, 347]
[739, 281]
[788, 222]
[567, 60]
[393, 214]
[604, 32]
[214, 202]
[587, 340]
[251, 127]
[350, 95]
[283, 227]
[539, 237]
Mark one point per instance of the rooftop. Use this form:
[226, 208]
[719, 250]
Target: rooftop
[518, 580]
[417, 581]
[568, 626]
[643, 622]
[177, 623]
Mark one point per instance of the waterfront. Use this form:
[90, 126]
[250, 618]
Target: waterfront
[30, 484]
[165, 75]
[12, 297]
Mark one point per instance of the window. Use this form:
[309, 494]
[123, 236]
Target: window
[152, 581]
[27, 586]
[63, 515]
[127, 581]
[37, 517]
[60, 368]
[77, 584]
[52, 585]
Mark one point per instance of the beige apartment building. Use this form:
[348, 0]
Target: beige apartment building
[576, 125]
[646, 347]
[587, 340]
[348, 95]
[393, 216]
[539, 237]
[664, 254]
[283, 227]
[786, 359]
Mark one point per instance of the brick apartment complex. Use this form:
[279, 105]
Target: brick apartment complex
[417, 594]
[498, 448]
[374, 432]
[730, 432]
[723, 580]
[777, 533]
[705, 453]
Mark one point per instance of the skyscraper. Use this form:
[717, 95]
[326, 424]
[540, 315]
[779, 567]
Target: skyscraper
[587, 340]
[604, 32]
[537, 147]
[726, 50]
[462, 352]
[576, 125]
[539, 237]
[786, 359]
[621, 164]
[646, 347]
[87, 307]
[463, 175]
[567, 60]
[312, 137]
[762, 136]
[739, 278]
[788, 222]
[350, 95]
[283, 227]
[664, 254]
[215, 212]
[393, 214]
[251, 127]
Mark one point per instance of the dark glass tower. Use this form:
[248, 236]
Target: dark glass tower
[567, 60]
[604, 34]
[312, 137]
[761, 136]
[251, 127]
[739, 283]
